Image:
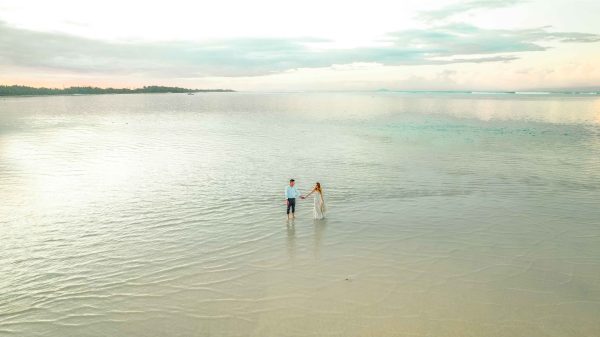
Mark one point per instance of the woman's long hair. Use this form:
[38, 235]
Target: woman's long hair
[318, 189]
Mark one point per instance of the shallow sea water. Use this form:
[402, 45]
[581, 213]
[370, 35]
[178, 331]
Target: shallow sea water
[163, 215]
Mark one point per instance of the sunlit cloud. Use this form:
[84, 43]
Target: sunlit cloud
[266, 44]
[449, 44]
[463, 7]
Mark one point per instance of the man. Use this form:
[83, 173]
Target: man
[291, 193]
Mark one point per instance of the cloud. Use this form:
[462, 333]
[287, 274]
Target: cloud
[453, 43]
[464, 39]
[464, 7]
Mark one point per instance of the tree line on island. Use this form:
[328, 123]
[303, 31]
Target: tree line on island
[21, 90]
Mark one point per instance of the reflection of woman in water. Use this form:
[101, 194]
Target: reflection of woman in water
[319, 210]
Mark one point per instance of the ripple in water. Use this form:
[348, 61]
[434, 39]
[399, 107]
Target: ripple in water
[163, 214]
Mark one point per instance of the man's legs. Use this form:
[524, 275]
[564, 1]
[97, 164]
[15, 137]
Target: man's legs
[291, 205]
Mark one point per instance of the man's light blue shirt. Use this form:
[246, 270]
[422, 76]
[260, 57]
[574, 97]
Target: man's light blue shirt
[291, 192]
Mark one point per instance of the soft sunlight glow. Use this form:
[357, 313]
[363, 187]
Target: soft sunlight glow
[270, 45]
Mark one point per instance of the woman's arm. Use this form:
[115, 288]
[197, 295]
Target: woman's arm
[311, 192]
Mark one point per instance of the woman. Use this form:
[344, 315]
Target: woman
[319, 210]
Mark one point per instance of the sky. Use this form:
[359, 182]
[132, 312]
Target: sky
[268, 45]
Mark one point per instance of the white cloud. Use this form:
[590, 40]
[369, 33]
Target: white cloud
[278, 44]
[456, 43]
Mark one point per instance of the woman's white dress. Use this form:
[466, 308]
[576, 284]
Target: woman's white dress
[319, 210]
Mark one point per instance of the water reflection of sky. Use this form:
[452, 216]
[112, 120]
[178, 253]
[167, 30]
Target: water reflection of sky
[170, 208]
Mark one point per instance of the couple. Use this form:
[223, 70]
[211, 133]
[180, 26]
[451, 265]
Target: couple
[291, 193]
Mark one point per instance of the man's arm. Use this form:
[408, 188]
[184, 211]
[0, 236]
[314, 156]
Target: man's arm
[287, 202]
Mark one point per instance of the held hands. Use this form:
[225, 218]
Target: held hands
[302, 197]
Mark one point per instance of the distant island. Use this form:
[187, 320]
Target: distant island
[21, 90]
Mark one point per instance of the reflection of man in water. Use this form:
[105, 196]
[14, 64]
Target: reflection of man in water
[291, 240]
[291, 193]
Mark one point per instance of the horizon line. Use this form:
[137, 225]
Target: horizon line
[574, 89]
